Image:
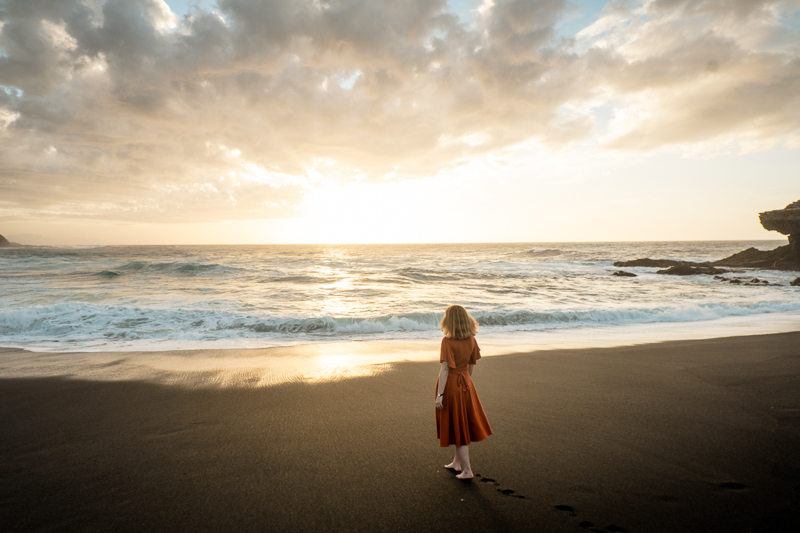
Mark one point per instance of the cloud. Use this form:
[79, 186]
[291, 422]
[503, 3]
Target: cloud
[695, 72]
[117, 110]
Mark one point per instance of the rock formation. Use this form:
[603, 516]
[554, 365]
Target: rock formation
[786, 221]
[787, 257]
[658, 263]
[5, 243]
[691, 270]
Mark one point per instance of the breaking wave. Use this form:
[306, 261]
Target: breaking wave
[549, 252]
[83, 325]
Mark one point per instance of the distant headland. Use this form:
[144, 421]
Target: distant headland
[4, 243]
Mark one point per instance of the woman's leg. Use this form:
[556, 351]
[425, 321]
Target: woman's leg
[462, 452]
[456, 464]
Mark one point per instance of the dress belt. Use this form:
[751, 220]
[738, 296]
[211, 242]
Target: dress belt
[461, 380]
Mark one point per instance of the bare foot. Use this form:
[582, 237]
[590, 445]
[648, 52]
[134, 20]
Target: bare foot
[465, 475]
[454, 466]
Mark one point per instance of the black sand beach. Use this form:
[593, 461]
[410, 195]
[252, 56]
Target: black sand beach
[699, 436]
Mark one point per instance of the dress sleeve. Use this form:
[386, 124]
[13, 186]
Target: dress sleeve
[447, 354]
[476, 352]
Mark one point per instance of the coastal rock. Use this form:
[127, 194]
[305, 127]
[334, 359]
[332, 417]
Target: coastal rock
[795, 283]
[781, 258]
[785, 221]
[647, 262]
[787, 257]
[624, 274]
[691, 270]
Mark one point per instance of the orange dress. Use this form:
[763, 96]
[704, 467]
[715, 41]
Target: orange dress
[461, 419]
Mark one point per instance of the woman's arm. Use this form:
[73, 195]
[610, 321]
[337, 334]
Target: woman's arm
[471, 368]
[443, 371]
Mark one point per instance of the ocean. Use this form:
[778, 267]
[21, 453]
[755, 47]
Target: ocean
[146, 298]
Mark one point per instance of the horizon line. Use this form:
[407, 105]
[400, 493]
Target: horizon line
[23, 245]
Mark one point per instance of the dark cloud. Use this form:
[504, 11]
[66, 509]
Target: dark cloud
[115, 109]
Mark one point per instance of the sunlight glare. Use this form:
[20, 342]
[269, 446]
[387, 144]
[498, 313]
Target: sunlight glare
[362, 213]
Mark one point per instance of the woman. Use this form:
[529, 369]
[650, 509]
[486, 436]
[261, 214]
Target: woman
[459, 415]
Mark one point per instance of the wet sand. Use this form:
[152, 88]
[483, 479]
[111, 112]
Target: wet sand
[700, 435]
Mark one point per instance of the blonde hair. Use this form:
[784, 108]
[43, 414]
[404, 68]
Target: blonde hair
[457, 323]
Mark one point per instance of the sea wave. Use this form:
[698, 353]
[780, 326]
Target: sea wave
[128, 297]
[79, 325]
[547, 252]
[72, 247]
[419, 274]
[178, 268]
[300, 280]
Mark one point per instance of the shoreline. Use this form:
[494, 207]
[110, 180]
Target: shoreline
[584, 336]
[695, 435]
[164, 300]
[333, 361]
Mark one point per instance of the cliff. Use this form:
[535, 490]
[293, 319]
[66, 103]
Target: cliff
[785, 221]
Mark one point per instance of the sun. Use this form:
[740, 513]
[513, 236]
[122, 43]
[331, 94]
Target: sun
[362, 213]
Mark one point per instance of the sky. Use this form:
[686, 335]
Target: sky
[386, 121]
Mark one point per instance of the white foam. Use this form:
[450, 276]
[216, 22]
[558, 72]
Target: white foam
[71, 327]
[630, 334]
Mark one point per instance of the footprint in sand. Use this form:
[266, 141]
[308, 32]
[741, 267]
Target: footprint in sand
[509, 492]
[732, 485]
[589, 526]
[567, 509]
[504, 492]
[488, 480]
